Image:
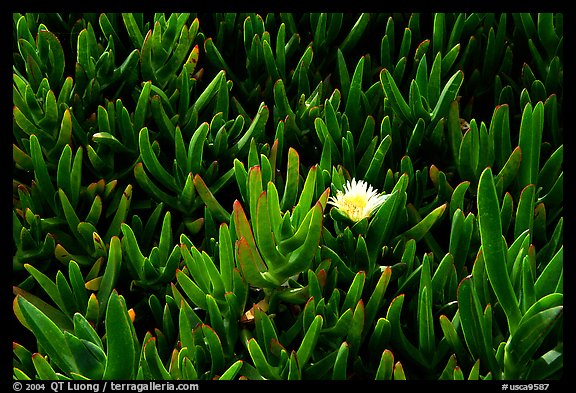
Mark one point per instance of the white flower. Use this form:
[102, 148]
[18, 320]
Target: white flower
[359, 200]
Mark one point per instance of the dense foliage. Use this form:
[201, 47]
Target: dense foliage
[172, 180]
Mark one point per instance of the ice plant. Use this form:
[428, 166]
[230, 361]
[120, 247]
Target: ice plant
[358, 200]
[171, 174]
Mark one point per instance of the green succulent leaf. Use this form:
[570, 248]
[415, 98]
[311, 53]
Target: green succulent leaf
[476, 332]
[260, 361]
[43, 368]
[395, 96]
[309, 340]
[340, 364]
[533, 329]
[49, 334]
[122, 348]
[494, 248]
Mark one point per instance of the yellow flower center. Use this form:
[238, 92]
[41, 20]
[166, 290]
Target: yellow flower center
[354, 206]
[358, 200]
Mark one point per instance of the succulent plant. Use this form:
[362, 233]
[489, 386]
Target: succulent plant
[288, 196]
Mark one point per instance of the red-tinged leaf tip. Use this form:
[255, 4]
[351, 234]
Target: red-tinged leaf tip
[237, 208]
[401, 297]
[197, 179]
[321, 275]
[206, 326]
[467, 278]
[132, 314]
[150, 340]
